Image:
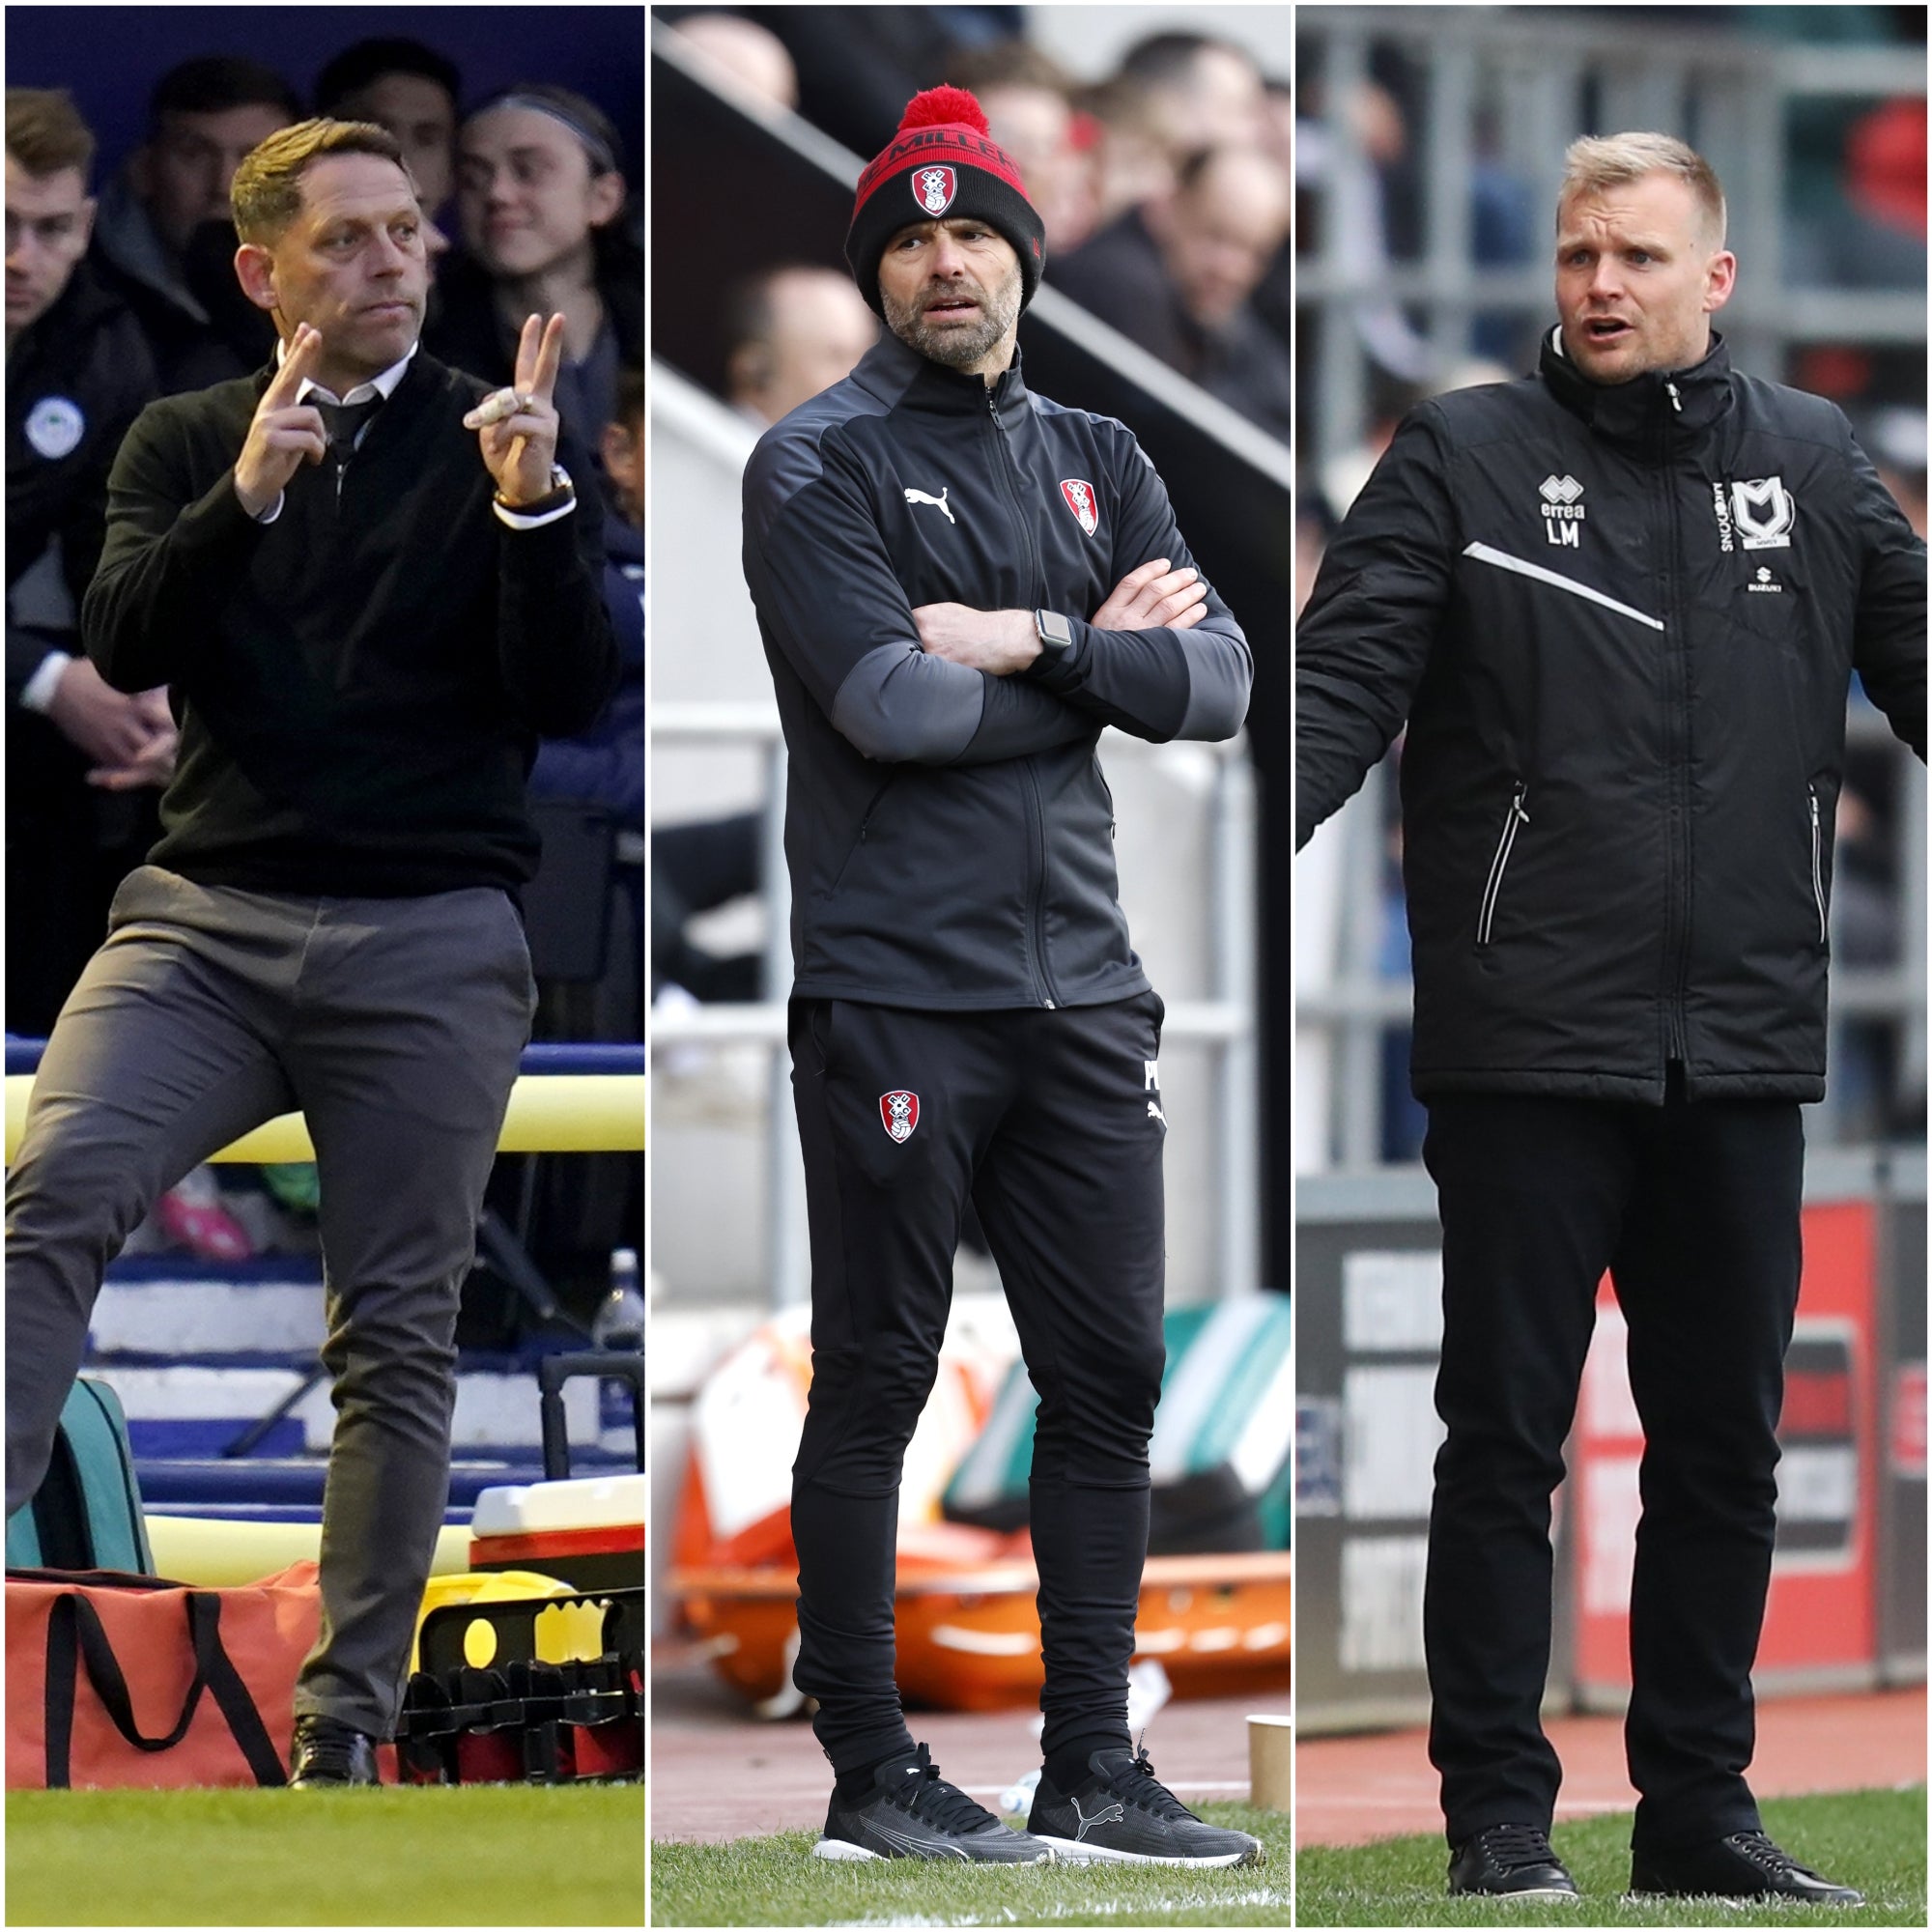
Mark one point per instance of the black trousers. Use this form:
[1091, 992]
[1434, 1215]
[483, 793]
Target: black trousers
[1695, 1210]
[1050, 1122]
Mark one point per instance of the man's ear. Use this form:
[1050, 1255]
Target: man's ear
[255, 270]
[1722, 279]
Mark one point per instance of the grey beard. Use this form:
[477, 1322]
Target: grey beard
[955, 347]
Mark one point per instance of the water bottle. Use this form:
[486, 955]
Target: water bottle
[619, 1325]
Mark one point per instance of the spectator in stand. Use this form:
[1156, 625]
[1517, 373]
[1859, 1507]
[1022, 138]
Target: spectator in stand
[540, 200]
[1177, 273]
[606, 762]
[792, 332]
[753, 56]
[1029, 100]
[164, 238]
[1201, 92]
[412, 91]
[1131, 163]
[82, 760]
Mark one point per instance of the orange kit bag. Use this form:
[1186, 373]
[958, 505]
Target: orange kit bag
[114, 1679]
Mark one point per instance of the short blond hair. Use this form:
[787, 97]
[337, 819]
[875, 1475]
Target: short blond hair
[1600, 162]
[266, 194]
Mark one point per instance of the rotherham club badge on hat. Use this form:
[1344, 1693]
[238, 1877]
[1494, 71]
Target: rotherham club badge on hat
[934, 187]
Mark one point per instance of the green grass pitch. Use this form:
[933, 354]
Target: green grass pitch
[1872, 1839]
[776, 1881]
[487, 1855]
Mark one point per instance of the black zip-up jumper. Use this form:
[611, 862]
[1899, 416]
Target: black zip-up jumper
[949, 833]
[1621, 624]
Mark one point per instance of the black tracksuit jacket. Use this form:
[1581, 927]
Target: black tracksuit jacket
[1621, 624]
[950, 832]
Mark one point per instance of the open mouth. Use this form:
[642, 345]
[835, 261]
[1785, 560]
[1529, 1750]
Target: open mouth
[1606, 329]
[951, 305]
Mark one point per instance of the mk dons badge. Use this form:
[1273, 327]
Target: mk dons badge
[934, 187]
[1763, 513]
[1080, 500]
[898, 1113]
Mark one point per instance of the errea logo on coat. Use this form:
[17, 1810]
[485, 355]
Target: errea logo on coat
[1562, 510]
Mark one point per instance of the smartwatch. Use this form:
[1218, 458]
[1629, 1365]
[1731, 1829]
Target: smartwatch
[1056, 636]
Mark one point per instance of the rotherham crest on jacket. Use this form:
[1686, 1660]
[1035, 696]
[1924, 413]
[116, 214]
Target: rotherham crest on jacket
[898, 1113]
[1079, 496]
[934, 187]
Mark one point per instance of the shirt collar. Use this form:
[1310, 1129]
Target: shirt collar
[383, 386]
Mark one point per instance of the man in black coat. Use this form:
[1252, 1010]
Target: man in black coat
[368, 595]
[1618, 604]
[958, 582]
[82, 758]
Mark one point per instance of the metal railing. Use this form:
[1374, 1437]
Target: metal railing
[1515, 92]
[1223, 1024]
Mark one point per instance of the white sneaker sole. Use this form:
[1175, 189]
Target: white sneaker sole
[844, 1849]
[1071, 1851]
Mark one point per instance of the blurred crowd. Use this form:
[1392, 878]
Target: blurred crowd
[123, 290]
[1165, 186]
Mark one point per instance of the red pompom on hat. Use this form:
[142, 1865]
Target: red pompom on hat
[942, 162]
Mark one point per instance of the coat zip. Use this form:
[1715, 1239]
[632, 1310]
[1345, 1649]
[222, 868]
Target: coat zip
[1516, 815]
[1817, 864]
[1036, 929]
[1677, 913]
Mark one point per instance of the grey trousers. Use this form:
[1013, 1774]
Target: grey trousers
[396, 1026]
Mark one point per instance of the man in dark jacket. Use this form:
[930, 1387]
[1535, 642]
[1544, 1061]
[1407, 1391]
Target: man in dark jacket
[365, 613]
[958, 584]
[1619, 604]
[82, 758]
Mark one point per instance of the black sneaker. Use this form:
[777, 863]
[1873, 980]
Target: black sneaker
[329, 1752]
[914, 1813]
[1744, 1865]
[1122, 1813]
[1508, 1862]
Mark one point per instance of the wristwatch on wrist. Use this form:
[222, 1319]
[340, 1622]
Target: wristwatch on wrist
[561, 491]
[1056, 636]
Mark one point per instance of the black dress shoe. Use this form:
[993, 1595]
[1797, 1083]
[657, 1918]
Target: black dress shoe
[331, 1752]
[1508, 1862]
[1744, 1865]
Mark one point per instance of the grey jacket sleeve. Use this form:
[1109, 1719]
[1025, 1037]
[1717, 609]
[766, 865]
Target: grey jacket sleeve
[825, 593]
[1163, 683]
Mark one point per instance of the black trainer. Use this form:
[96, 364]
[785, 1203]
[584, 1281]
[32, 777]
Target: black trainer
[327, 1751]
[1508, 1862]
[914, 1813]
[1744, 1865]
[1122, 1813]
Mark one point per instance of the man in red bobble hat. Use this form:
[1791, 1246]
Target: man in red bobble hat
[959, 583]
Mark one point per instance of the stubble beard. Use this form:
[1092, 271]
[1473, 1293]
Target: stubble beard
[956, 348]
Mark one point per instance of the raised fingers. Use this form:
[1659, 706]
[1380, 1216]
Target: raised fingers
[550, 358]
[297, 365]
[527, 353]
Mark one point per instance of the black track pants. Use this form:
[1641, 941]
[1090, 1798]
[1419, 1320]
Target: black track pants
[1695, 1210]
[1050, 1122]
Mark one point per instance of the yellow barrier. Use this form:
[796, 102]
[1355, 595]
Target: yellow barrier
[549, 1113]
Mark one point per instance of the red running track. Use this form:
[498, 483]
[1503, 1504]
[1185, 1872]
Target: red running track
[716, 1773]
[1349, 1790]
